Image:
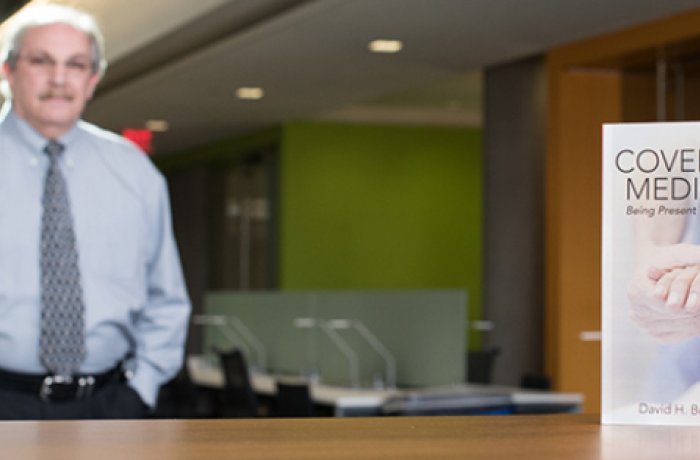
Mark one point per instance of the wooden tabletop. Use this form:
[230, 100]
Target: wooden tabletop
[569, 437]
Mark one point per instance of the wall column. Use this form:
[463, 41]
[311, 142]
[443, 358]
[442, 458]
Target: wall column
[514, 152]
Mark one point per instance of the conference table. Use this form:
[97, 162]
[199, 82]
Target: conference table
[521, 437]
[449, 399]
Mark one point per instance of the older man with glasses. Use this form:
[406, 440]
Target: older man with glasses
[90, 277]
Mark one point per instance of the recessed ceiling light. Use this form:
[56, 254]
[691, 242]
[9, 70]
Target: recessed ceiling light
[250, 93]
[385, 46]
[157, 125]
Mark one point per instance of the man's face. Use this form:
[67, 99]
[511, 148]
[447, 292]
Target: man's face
[53, 78]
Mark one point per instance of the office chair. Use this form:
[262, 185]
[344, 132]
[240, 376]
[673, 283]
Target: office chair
[533, 381]
[480, 365]
[180, 398]
[238, 397]
[293, 400]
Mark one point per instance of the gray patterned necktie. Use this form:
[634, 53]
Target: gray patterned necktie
[62, 343]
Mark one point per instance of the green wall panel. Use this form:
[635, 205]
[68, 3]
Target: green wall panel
[381, 207]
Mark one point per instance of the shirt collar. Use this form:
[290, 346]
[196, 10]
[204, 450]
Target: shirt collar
[31, 137]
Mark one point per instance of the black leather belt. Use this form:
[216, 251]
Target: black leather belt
[54, 388]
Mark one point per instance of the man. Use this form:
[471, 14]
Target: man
[90, 276]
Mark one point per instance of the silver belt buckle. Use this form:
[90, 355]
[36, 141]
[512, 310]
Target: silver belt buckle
[47, 384]
[84, 390]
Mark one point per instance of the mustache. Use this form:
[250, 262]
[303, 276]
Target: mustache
[56, 94]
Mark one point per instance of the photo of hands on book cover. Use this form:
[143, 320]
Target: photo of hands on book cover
[651, 273]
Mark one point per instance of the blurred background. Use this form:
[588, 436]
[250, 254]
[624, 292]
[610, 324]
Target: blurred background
[399, 145]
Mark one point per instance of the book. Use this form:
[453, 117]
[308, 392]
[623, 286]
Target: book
[650, 260]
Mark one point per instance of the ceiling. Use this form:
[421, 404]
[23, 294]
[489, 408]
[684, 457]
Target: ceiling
[181, 61]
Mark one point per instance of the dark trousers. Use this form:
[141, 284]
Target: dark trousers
[114, 400]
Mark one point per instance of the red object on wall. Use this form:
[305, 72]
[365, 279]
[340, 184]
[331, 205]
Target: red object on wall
[141, 137]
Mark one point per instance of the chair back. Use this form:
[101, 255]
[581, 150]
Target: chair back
[239, 398]
[480, 365]
[293, 400]
[180, 398]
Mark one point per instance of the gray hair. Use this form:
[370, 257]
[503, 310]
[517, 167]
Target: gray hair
[48, 14]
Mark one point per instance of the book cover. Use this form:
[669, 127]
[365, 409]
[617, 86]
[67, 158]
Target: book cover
[651, 274]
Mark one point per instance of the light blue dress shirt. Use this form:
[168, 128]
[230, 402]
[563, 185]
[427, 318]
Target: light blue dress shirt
[135, 296]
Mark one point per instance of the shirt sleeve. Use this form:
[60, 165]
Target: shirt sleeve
[161, 328]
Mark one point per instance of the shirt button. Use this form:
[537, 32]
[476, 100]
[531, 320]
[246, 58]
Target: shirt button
[33, 161]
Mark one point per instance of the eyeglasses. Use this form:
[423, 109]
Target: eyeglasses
[45, 64]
